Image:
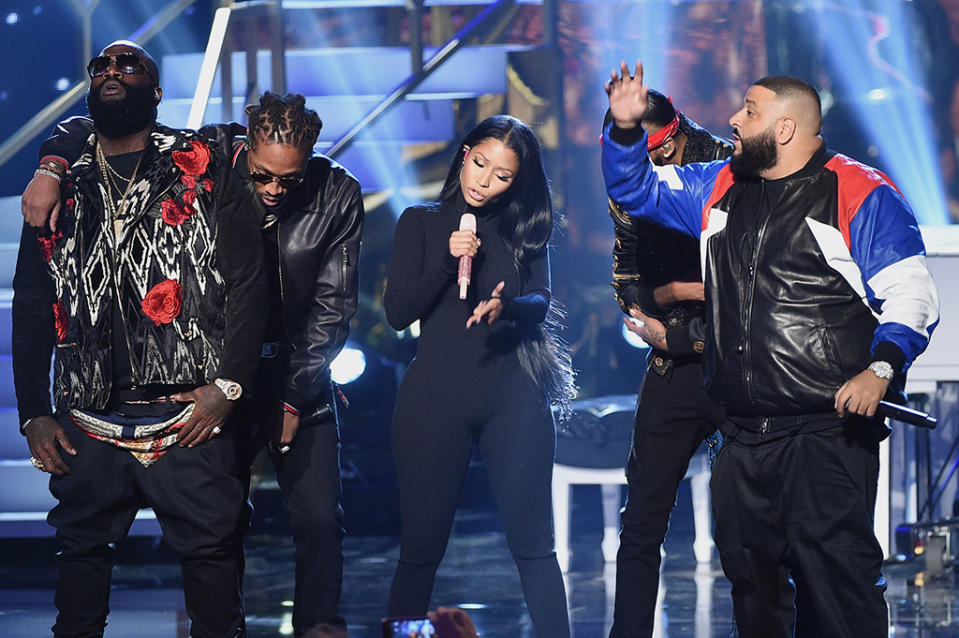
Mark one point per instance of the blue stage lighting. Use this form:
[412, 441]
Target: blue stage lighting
[871, 55]
[632, 338]
[63, 84]
[349, 365]
[12, 18]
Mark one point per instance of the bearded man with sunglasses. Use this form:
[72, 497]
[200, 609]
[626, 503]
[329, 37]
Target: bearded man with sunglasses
[311, 215]
[149, 291]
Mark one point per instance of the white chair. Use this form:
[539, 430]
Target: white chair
[610, 478]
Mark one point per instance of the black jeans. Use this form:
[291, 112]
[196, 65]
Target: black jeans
[801, 505]
[309, 477]
[197, 500]
[674, 416]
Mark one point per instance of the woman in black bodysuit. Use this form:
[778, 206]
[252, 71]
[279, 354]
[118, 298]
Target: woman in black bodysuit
[486, 370]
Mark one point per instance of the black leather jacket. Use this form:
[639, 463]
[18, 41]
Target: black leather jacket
[318, 237]
[319, 231]
[646, 256]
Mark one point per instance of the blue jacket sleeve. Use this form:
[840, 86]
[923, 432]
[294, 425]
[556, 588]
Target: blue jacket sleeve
[669, 196]
[886, 245]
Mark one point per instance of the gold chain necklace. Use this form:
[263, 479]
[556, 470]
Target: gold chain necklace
[117, 210]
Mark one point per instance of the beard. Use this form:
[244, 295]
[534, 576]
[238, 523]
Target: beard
[757, 154]
[133, 113]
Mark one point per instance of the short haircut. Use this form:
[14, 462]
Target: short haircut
[791, 88]
[282, 120]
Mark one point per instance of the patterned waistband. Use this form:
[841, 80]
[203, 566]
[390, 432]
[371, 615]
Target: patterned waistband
[147, 439]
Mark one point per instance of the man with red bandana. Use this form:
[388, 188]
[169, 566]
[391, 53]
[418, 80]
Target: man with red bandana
[656, 272]
[148, 292]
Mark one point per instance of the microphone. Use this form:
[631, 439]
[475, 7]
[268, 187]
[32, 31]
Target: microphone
[907, 415]
[467, 222]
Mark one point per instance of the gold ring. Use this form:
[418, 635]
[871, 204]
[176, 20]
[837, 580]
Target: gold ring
[37, 463]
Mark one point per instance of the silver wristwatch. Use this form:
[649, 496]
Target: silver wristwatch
[231, 389]
[882, 369]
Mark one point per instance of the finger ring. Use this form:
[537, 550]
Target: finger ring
[37, 463]
[216, 430]
[283, 449]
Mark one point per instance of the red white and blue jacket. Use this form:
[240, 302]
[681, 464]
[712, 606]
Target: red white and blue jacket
[808, 278]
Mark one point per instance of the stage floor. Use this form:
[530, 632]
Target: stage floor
[477, 573]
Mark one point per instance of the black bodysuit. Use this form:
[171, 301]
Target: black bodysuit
[467, 385]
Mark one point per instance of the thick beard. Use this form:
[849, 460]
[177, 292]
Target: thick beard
[757, 154]
[134, 113]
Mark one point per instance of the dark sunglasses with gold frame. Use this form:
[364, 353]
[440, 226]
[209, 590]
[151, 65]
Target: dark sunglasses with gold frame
[125, 63]
[286, 181]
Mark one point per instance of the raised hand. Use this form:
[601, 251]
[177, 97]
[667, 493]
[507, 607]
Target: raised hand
[628, 96]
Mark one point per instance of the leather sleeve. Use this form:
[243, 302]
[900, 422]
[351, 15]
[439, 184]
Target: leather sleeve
[334, 298]
[239, 257]
[68, 139]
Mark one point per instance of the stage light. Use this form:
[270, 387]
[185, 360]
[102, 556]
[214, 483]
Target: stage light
[12, 18]
[63, 84]
[349, 365]
[632, 338]
[871, 54]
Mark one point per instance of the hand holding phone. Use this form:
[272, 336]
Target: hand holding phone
[415, 627]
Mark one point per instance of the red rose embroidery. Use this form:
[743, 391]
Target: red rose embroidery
[193, 162]
[162, 303]
[60, 319]
[188, 180]
[47, 244]
[189, 197]
[70, 203]
[207, 185]
[173, 212]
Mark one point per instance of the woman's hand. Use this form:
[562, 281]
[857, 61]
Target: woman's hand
[464, 243]
[491, 309]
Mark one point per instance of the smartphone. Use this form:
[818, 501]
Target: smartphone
[418, 627]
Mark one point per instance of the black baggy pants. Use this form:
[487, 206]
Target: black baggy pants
[800, 505]
[197, 500]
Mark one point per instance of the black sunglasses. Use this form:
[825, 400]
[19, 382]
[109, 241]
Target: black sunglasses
[126, 63]
[285, 182]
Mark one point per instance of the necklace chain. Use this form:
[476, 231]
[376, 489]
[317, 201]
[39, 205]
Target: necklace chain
[116, 209]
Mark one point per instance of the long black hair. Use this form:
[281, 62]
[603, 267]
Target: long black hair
[526, 221]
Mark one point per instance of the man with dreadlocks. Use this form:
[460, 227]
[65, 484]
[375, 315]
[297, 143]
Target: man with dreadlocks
[311, 213]
[656, 272]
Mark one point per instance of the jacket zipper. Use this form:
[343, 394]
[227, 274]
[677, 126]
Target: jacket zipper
[279, 269]
[764, 427]
[751, 289]
[344, 264]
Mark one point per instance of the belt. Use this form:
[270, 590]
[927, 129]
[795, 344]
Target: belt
[768, 425]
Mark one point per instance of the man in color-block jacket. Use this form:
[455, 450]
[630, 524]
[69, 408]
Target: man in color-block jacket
[817, 301]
